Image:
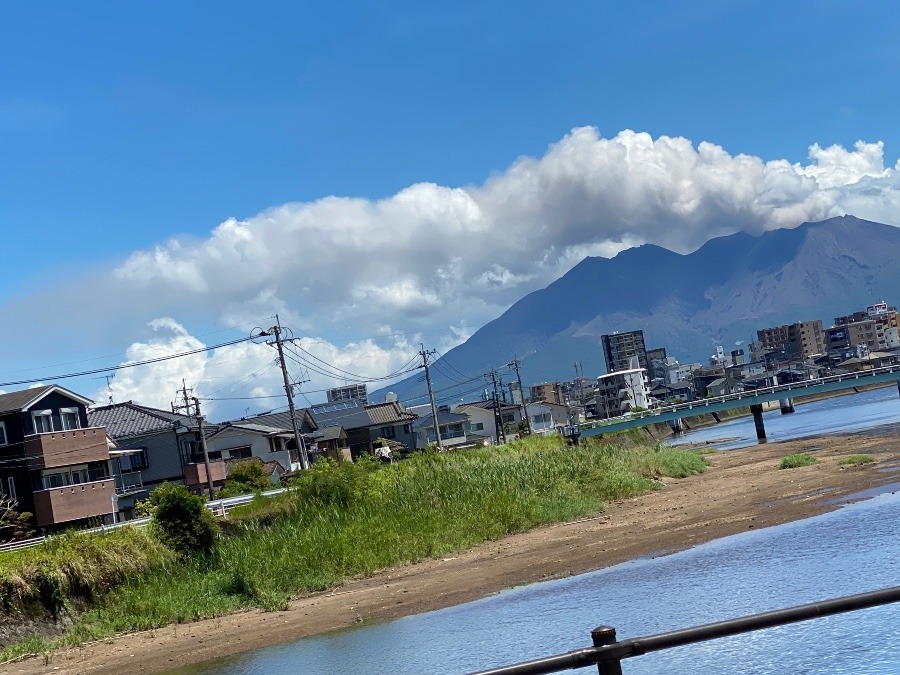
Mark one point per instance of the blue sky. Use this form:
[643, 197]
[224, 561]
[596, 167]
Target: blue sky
[125, 125]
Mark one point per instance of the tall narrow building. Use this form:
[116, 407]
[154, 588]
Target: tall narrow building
[618, 348]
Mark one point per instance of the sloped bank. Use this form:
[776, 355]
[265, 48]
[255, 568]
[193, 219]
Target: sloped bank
[340, 522]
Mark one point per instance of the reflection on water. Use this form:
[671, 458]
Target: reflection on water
[848, 551]
[841, 414]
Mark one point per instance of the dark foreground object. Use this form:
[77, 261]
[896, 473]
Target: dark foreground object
[607, 654]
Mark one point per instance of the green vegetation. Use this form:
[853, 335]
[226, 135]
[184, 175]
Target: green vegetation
[858, 459]
[182, 522]
[797, 460]
[245, 478]
[350, 519]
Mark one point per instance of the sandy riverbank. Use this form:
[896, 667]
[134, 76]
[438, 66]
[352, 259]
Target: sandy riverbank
[742, 489]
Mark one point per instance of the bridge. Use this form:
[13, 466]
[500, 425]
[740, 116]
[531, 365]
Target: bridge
[753, 398]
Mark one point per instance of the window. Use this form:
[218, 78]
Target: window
[407, 428]
[43, 421]
[12, 487]
[55, 480]
[478, 426]
[69, 418]
[134, 462]
[3, 440]
[388, 432]
[240, 453]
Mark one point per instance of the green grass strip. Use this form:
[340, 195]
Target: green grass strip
[348, 520]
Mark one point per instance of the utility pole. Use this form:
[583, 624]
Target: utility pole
[298, 439]
[498, 419]
[209, 480]
[515, 364]
[437, 427]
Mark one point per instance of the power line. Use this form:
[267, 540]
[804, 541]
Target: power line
[122, 366]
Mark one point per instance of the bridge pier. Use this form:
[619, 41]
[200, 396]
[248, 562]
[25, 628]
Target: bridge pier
[678, 429]
[787, 405]
[757, 411]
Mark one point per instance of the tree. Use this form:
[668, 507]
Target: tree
[14, 525]
[182, 521]
[244, 478]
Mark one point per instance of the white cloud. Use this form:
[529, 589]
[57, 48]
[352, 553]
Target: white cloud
[232, 378]
[430, 253]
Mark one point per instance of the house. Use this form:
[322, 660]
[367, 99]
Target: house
[481, 422]
[547, 417]
[165, 448]
[243, 439]
[452, 427]
[53, 462]
[362, 425]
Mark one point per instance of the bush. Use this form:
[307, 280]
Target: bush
[330, 483]
[857, 460]
[182, 521]
[245, 478]
[798, 460]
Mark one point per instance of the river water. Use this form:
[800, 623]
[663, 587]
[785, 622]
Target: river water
[840, 414]
[851, 550]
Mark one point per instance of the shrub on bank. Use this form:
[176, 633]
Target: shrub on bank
[797, 460]
[856, 460]
[182, 522]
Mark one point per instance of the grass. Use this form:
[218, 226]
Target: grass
[857, 460]
[351, 520]
[797, 460]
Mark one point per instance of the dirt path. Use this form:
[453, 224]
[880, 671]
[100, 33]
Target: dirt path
[742, 489]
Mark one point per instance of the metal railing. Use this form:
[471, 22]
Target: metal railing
[607, 654]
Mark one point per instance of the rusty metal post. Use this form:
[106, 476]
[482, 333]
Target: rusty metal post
[601, 637]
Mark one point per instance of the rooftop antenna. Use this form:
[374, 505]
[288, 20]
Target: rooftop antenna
[108, 379]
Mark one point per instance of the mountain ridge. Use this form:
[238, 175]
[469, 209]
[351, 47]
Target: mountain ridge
[721, 293]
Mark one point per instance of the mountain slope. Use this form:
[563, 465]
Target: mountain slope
[719, 294]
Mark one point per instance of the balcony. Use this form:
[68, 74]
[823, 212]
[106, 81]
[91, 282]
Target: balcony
[65, 448]
[195, 474]
[74, 502]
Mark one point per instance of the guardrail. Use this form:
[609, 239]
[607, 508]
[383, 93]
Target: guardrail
[795, 388]
[219, 507]
[607, 654]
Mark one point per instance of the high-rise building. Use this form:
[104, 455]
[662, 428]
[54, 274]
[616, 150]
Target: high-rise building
[618, 348]
[351, 392]
[802, 339]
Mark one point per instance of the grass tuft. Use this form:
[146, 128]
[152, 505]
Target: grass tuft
[857, 460]
[797, 460]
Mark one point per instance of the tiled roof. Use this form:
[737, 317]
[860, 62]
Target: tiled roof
[489, 405]
[123, 420]
[388, 413]
[258, 428]
[444, 417]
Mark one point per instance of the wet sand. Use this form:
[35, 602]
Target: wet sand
[742, 489]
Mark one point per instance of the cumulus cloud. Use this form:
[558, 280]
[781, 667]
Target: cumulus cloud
[246, 376]
[431, 252]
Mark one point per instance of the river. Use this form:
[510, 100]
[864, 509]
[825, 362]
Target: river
[851, 550]
[839, 414]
